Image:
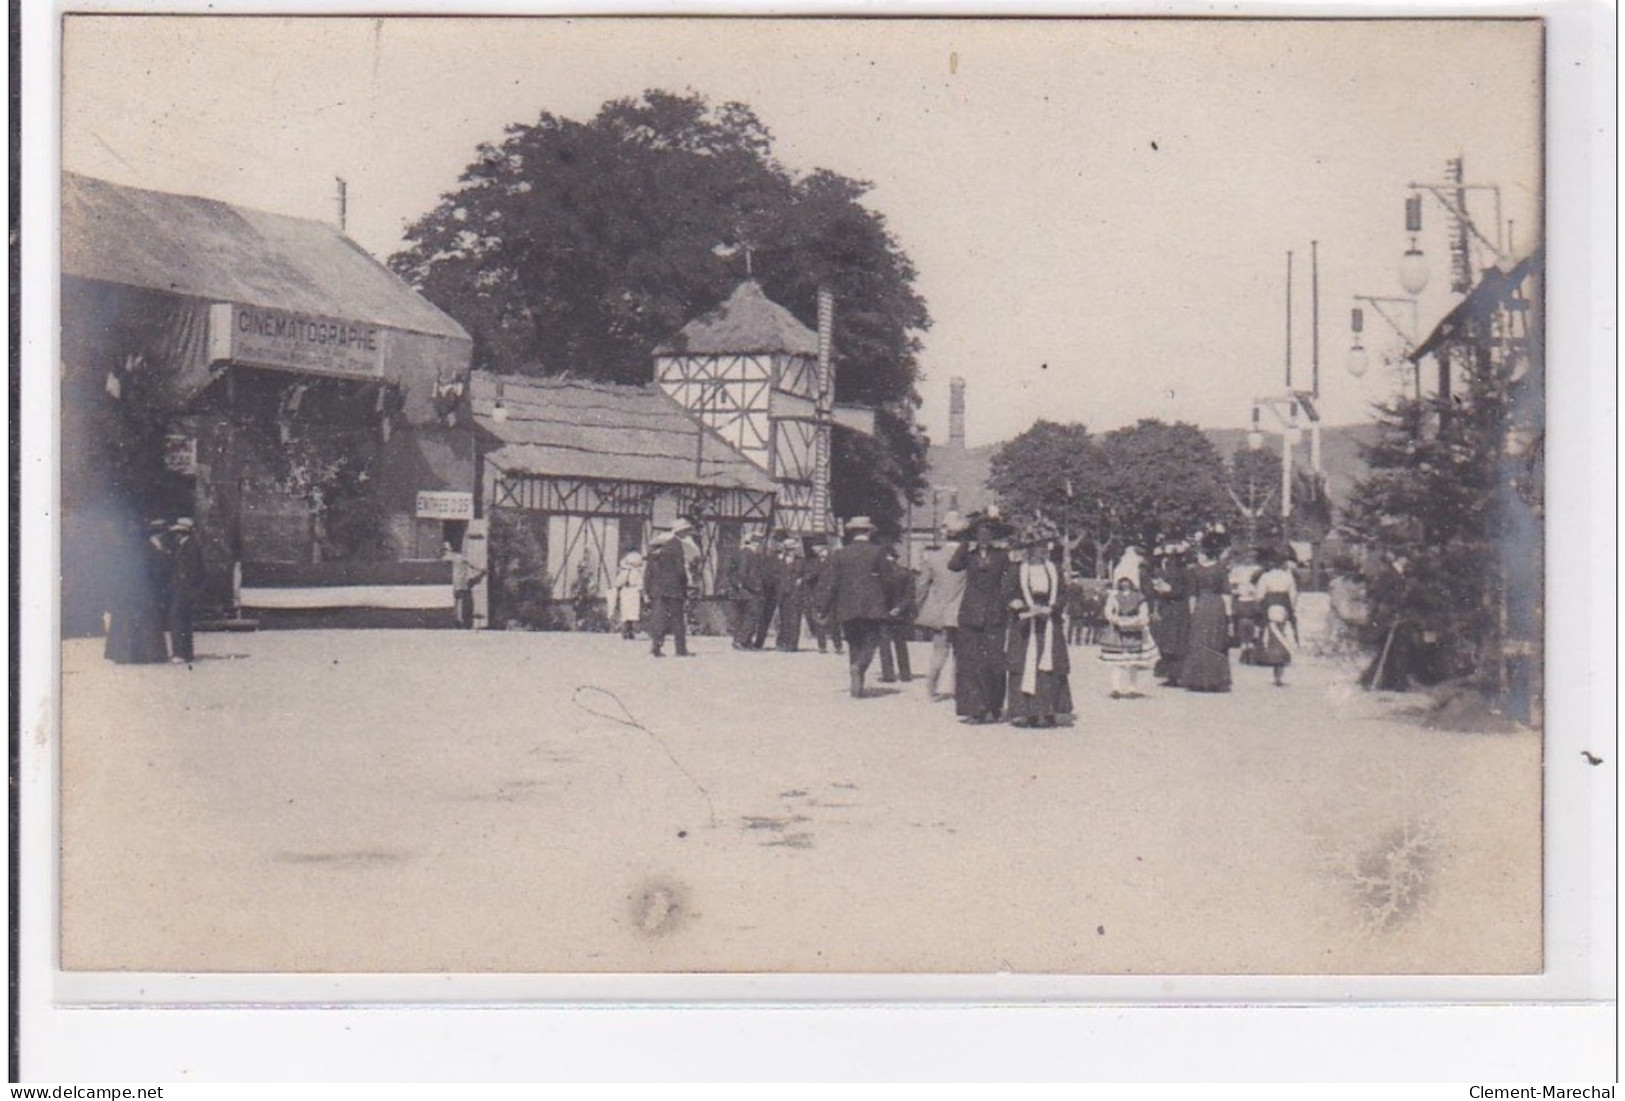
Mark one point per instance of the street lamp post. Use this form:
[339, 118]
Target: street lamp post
[1465, 234]
[1358, 360]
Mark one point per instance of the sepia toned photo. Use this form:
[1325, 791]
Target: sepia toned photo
[802, 496]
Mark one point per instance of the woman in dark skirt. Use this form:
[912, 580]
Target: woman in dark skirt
[1206, 667]
[1171, 618]
[1036, 651]
[979, 646]
[135, 629]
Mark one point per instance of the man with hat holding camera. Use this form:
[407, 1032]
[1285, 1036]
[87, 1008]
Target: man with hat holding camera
[853, 594]
[665, 580]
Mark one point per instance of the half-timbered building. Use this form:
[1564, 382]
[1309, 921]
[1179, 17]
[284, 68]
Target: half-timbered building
[753, 373]
[584, 471]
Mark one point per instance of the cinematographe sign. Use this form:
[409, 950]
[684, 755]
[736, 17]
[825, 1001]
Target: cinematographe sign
[300, 342]
[445, 504]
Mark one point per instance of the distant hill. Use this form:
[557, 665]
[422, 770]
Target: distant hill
[963, 471]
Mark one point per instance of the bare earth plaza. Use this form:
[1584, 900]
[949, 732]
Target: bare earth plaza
[605, 815]
[1004, 509]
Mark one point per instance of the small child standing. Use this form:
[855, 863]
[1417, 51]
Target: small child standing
[1126, 644]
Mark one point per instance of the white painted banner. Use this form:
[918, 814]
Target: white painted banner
[445, 504]
[301, 342]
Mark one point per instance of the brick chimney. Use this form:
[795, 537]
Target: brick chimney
[956, 412]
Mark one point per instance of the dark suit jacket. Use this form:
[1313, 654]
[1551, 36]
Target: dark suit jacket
[854, 584]
[186, 569]
[665, 573]
[983, 603]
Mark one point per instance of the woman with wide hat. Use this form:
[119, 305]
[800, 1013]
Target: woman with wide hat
[1036, 650]
[979, 658]
[1206, 667]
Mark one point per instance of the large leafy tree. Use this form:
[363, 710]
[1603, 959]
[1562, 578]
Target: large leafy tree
[1144, 484]
[578, 247]
[1165, 481]
[1057, 470]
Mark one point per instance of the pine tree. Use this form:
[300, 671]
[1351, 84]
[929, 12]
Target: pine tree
[1454, 488]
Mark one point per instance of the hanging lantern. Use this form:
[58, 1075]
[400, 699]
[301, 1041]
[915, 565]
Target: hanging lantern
[1255, 438]
[1413, 270]
[1358, 361]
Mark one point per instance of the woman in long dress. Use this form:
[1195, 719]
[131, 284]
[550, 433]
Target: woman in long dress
[1206, 667]
[979, 660]
[135, 634]
[1170, 614]
[626, 598]
[1036, 650]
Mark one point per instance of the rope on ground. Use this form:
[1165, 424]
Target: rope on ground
[626, 718]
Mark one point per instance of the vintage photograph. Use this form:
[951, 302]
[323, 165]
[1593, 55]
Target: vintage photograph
[801, 496]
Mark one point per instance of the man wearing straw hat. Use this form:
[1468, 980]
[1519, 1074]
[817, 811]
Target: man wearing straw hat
[853, 595]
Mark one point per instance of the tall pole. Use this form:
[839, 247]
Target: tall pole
[1289, 320]
[825, 411]
[1314, 385]
[1314, 315]
[1286, 479]
[699, 432]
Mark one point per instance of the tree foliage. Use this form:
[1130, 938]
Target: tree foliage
[578, 247]
[1143, 484]
[1253, 480]
[1455, 488]
[1443, 494]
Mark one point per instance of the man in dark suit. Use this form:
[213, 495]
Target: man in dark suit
[185, 584]
[665, 581]
[979, 657]
[853, 594]
[900, 598]
[768, 579]
[745, 577]
[822, 628]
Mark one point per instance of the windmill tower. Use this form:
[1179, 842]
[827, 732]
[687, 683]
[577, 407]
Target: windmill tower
[750, 372]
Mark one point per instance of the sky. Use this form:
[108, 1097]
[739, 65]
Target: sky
[1100, 211]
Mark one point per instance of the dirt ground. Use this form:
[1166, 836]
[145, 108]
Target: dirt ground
[438, 801]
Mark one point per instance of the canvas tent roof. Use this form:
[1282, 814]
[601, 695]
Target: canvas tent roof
[207, 249]
[574, 429]
[748, 322]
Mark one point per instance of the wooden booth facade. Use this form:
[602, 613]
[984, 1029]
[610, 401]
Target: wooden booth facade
[574, 475]
[266, 377]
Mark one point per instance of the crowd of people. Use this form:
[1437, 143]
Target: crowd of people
[1002, 612]
[149, 619]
